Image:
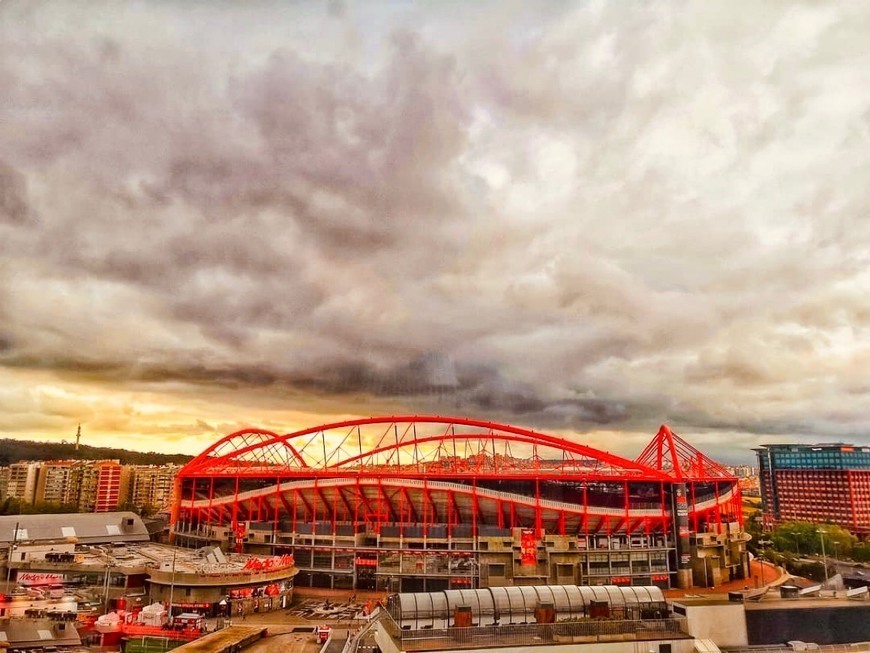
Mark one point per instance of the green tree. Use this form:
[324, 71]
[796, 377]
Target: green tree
[805, 538]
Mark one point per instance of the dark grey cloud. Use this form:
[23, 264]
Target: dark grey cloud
[575, 216]
[14, 206]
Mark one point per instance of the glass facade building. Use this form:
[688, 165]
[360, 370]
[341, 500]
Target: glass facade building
[816, 483]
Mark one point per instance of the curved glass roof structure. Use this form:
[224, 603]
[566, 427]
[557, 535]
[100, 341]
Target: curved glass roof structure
[518, 604]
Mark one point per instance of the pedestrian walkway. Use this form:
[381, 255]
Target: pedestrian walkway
[228, 640]
[762, 575]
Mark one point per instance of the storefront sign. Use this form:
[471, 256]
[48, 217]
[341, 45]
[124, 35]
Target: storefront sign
[30, 578]
[270, 563]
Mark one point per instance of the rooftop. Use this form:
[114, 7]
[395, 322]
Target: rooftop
[79, 527]
[162, 560]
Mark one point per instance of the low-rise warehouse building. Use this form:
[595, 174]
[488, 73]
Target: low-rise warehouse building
[205, 581]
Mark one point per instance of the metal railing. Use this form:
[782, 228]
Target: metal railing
[858, 647]
[589, 631]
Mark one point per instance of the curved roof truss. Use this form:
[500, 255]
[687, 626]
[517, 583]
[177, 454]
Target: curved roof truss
[424, 446]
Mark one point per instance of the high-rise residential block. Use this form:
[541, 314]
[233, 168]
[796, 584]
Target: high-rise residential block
[152, 485]
[54, 482]
[816, 483]
[23, 477]
[100, 485]
[4, 482]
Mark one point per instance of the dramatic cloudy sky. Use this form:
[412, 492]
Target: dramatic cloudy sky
[588, 218]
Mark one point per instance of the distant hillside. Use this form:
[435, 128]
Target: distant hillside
[13, 451]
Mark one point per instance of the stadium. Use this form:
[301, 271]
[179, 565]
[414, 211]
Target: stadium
[428, 503]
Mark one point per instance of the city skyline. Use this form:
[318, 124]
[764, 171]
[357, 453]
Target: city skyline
[582, 218]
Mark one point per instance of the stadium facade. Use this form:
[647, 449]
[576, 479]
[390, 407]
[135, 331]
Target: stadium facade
[437, 503]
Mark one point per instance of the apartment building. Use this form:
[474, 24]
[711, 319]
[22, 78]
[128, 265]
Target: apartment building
[100, 485]
[23, 477]
[53, 484]
[152, 485]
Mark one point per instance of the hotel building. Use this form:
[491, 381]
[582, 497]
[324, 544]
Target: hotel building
[816, 483]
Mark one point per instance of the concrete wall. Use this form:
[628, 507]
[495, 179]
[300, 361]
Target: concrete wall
[823, 625]
[388, 645]
[724, 623]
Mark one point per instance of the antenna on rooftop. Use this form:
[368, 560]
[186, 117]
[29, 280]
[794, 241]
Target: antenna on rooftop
[78, 436]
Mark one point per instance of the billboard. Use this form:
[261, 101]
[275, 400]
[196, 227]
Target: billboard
[528, 547]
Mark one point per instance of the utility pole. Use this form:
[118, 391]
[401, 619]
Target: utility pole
[106, 587]
[824, 557]
[172, 583]
[12, 548]
[763, 544]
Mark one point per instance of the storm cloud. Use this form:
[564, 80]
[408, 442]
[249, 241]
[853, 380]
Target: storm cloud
[576, 216]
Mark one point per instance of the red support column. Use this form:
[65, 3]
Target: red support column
[475, 508]
[236, 504]
[334, 508]
[174, 516]
[295, 507]
[425, 503]
[275, 513]
[192, 497]
[626, 497]
[210, 498]
[356, 499]
[277, 499]
[586, 514]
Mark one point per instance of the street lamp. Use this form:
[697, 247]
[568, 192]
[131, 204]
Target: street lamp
[172, 585]
[821, 533]
[797, 544]
[12, 547]
[763, 544]
[475, 573]
[106, 584]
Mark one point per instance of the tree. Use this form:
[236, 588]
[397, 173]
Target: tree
[804, 538]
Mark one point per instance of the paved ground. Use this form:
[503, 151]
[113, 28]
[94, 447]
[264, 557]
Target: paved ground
[283, 640]
[222, 640]
[761, 575]
[292, 630]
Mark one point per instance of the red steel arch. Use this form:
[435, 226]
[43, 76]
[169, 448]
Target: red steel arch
[453, 469]
[256, 452]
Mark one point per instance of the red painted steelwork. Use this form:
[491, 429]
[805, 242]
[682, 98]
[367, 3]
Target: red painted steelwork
[431, 470]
